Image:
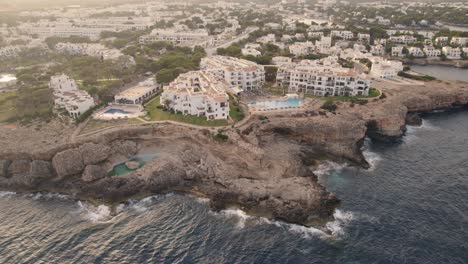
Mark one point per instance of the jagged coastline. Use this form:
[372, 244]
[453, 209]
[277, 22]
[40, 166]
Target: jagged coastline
[265, 168]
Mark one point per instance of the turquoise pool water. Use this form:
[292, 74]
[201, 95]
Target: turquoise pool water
[290, 103]
[117, 111]
[121, 168]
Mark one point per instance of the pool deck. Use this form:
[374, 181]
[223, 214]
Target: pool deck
[256, 109]
[132, 111]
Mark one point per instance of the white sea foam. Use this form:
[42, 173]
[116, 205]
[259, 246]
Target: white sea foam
[47, 196]
[238, 214]
[202, 200]
[336, 227]
[371, 157]
[342, 219]
[95, 214]
[7, 194]
[327, 167]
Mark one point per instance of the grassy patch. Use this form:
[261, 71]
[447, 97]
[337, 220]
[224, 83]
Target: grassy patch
[157, 114]
[235, 110]
[372, 93]
[7, 105]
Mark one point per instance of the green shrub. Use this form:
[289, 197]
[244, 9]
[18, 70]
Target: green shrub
[330, 106]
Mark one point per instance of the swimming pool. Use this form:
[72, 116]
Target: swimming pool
[117, 111]
[290, 103]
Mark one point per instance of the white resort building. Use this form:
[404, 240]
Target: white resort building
[176, 36]
[67, 96]
[430, 51]
[198, 93]
[322, 79]
[385, 69]
[237, 73]
[138, 94]
[301, 48]
[93, 50]
[451, 53]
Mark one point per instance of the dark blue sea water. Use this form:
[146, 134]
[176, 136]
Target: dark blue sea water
[411, 207]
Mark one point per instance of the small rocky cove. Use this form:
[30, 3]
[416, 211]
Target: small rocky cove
[265, 167]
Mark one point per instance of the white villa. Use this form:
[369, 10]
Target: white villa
[237, 73]
[397, 51]
[385, 69]
[252, 52]
[198, 93]
[322, 79]
[301, 48]
[403, 39]
[459, 41]
[431, 51]
[69, 97]
[451, 53]
[416, 52]
[377, 49]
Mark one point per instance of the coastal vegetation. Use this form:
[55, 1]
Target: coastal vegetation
[373, 93]
[418, 77]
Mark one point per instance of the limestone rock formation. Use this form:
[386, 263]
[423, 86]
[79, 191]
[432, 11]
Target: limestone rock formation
[132, 165]
[93, 173]
[94, 153]
[4, 168]
[124, 147]
[68, 162]
[41, 169]
[19, 167]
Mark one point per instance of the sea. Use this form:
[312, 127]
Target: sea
[411, 206]
[445, 73]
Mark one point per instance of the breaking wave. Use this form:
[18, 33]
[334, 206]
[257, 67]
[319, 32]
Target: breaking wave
[327, 167]
[95, 214]
[332, 230]
[371, 157]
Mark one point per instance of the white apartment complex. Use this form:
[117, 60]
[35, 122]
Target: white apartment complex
[67, 96]
[403, 39]
[94, 50]
[180, 37]
[301, 48]
[237, 73]
[322, 80]
[416, 52]
[451, 53]
[342, 34]
[459, 41]
[198, 93]
[385, 69]
[85, 27]
[431, 51]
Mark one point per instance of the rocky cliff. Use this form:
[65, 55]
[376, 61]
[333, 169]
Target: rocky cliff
[265, 167]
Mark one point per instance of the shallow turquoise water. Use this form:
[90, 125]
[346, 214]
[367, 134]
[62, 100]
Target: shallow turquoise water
[121, 168]
[277, 104]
